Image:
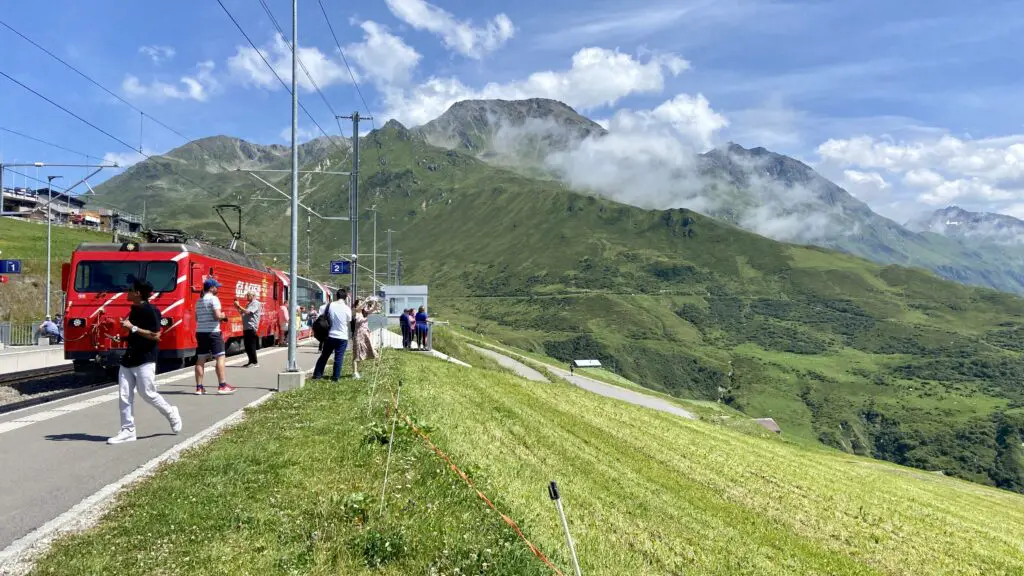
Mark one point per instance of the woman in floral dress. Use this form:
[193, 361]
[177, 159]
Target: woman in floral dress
[363, 339]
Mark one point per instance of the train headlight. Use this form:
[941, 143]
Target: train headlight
[78, 322]
[130, 247]
[165, 322]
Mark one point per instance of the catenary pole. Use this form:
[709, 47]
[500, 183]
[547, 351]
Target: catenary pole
[293, 274]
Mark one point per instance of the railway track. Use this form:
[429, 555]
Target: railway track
[15, 378]
[34, 387]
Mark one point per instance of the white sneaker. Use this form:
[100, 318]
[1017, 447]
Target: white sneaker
[356, 376]
[122, 437]
[256, 365]
[175, 419]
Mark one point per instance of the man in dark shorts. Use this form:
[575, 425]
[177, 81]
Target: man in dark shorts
[138, 365]
[209, 341]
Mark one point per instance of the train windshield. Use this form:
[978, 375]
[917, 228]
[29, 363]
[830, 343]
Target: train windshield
[100, 276]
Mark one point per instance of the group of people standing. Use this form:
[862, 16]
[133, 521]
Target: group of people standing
[346, 324]
[138, 365]
[415, 326]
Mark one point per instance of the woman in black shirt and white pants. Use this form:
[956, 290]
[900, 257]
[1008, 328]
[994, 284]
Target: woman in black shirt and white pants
[138, 365]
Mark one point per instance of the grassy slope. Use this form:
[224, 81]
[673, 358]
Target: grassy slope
[883, 361]
[645, 493]
[22, 299]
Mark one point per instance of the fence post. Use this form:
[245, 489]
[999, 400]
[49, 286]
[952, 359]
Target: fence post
[391, 443]
[553, 493]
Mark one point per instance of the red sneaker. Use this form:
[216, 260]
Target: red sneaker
[226, 389]
[200, 390]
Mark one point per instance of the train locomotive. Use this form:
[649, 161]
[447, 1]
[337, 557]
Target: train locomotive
[98, 276]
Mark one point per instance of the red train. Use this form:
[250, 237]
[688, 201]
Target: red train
[99, 275]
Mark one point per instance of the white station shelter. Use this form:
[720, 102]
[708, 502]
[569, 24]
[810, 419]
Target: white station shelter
[398, 298]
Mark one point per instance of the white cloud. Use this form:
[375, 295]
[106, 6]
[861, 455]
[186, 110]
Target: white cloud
[597, 77]
[304, 134]
[984, 174]
[384, 57]
[691, 117]
[922, 178]
[156, 53]
[123, 159]
[460, 36]
[247, 66]
[197, 87]
[866, 186]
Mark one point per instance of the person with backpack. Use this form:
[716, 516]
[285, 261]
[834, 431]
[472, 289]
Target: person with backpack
[332, 328]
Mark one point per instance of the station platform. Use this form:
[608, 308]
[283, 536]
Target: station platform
[19, 358]
[55, 455]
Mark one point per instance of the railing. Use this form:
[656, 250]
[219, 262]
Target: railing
[18, 334]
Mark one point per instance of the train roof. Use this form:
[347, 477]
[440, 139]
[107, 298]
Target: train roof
[190, 246]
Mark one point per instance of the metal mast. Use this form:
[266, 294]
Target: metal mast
[294, 252]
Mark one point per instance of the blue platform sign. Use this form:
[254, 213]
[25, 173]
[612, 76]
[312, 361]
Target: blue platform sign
[341, 267]
[10, 266]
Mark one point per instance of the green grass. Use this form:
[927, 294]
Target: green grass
[22, 299]
[645, 493]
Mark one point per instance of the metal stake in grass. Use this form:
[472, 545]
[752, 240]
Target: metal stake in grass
[391, 443]
[553, 493]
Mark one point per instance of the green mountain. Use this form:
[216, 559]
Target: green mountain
[515, 133]
[756, 189]
[890, 362]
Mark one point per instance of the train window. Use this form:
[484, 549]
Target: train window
[99, 276]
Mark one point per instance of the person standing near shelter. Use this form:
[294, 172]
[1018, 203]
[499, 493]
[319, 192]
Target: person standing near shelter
[209, 342]
[138, 365]
[340, 315]
[421, 328]
[411, 321]
[251, 314]
[403, 321]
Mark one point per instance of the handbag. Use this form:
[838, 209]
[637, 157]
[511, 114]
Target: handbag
[322, 326]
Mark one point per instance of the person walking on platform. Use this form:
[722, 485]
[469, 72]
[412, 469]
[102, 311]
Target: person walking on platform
[362, 339]
[340, 315]
[138, 365]
[421, 328]
[209, 342]
[251, 314]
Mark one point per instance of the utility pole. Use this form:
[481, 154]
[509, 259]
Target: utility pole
[49, 200]
[293, 323]
[353, 198]
[374, 285]
[390, 269]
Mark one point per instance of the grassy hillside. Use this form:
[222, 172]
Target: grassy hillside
[23, 298]
[883, 361]
[644, 492]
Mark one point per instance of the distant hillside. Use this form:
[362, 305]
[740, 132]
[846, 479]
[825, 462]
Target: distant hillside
[755, 189]
[876, 360]
[510, 132]
[975, 227]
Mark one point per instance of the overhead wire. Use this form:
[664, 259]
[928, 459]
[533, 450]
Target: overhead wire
[352, 75]
[102, 131]
[276, 75]
[41, 141]
[273, 20]
[96, 83]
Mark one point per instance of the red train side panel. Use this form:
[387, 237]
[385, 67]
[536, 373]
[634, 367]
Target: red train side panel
[100, 274]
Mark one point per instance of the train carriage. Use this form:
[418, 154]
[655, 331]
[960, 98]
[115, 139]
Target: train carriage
[99, 275]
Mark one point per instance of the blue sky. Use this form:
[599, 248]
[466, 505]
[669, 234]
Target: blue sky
[909, 105]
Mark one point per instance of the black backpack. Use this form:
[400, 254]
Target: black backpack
[322, 326]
